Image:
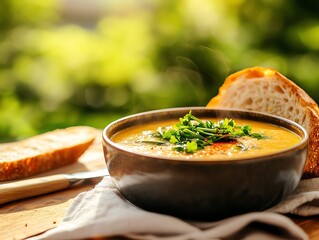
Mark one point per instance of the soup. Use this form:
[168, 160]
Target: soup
[144, 139]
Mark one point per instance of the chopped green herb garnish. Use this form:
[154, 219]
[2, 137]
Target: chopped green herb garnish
[258, 136]
[192, 134]
[152, 142]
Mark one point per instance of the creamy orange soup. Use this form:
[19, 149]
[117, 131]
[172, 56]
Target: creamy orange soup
[135, 139]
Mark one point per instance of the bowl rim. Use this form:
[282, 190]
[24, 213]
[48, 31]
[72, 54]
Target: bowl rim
[300, 145]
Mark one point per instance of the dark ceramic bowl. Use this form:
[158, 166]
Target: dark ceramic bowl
[204, 190]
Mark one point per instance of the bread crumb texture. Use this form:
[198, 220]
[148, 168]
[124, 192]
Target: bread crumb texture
[266, 90]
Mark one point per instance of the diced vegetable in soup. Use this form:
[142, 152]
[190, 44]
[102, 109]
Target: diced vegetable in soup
[206, 139]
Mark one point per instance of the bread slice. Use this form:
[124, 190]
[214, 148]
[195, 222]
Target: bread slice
[266, 90]
[44, 152]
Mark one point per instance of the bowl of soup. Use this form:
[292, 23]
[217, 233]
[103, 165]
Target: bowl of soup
[200, 163]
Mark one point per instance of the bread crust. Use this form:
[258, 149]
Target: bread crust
[312, 164]
[44, 152]
[276, 95]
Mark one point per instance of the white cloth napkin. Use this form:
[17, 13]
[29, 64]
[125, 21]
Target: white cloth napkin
[103, 211]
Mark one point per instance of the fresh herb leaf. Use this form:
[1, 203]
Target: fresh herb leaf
[154, 142]
[173, 139]
[246, 129]
[192, 134]
[191, 147]
[258, 136]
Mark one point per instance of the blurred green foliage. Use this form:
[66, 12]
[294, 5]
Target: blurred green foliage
[82, 62]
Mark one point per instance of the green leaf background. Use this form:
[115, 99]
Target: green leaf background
[65, 63]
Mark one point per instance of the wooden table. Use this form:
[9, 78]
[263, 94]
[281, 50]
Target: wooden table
[25, 218]
[28, 217]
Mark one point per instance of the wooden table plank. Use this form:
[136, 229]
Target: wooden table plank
[28, 217]
[309, 224]
[36, 214]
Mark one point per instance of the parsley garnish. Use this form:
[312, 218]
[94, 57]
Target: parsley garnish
[192, 134]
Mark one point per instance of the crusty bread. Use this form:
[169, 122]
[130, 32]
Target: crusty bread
[44, 152]
[266, 90]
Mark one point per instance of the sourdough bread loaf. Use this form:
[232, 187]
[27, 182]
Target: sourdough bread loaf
[44, 152]
[266, 90]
